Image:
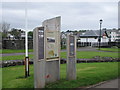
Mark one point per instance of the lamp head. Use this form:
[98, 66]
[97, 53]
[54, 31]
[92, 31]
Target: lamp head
[101, 21]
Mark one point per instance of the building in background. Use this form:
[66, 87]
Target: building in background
[93, 36]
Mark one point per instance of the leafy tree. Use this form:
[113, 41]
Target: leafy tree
[68, 31]
[16, 33]
[30, 34]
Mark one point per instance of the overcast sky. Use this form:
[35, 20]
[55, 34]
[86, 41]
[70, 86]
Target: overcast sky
[74, 15]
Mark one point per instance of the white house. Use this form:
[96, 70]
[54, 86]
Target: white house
[22, 35]
[114, 35]
[93, 36]
[9, 36]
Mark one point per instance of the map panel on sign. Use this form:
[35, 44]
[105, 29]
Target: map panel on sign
[52, 45]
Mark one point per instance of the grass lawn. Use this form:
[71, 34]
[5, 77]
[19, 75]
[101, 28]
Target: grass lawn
[14, 51]
[110, 49]
[17, 57]
[91, 54]
[0, 78]
[82, 54]
[87, 74]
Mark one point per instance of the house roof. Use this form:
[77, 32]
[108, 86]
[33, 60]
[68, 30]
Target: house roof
[92, 33]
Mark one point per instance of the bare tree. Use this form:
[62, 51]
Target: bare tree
[4, 27]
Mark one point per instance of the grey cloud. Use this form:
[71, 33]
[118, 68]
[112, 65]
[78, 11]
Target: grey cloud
[80, 15]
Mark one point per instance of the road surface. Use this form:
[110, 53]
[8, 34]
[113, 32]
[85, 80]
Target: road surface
[78, 49]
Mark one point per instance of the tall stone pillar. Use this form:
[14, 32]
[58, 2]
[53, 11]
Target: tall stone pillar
[46, 45]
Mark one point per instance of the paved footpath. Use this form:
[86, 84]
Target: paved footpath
[110, 84]
[107, 84]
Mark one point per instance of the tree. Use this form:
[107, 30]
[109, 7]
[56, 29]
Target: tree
[4, 27]
[16, 33]
[114, 28]
[68, 31]
[30, 34]
[104, 29]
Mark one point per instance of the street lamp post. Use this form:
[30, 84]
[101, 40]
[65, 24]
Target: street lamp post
[100, 33]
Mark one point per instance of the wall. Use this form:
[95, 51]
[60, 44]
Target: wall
[16, 44]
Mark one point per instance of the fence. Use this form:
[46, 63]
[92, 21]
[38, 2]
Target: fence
[103, 44]
[83, 44]
[96, 44]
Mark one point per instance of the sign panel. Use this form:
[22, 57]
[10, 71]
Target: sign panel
[41, 43]
[46, 45]
[52, 44]
[71, 45]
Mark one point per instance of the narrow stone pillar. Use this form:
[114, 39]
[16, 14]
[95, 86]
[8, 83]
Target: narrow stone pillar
[71, 57]
[39, 61]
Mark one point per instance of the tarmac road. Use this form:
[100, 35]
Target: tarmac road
[78, 49]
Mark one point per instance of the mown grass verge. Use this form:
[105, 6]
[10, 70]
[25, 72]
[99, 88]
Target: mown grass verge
[110, 49]
[14, 51]
[87, 74]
